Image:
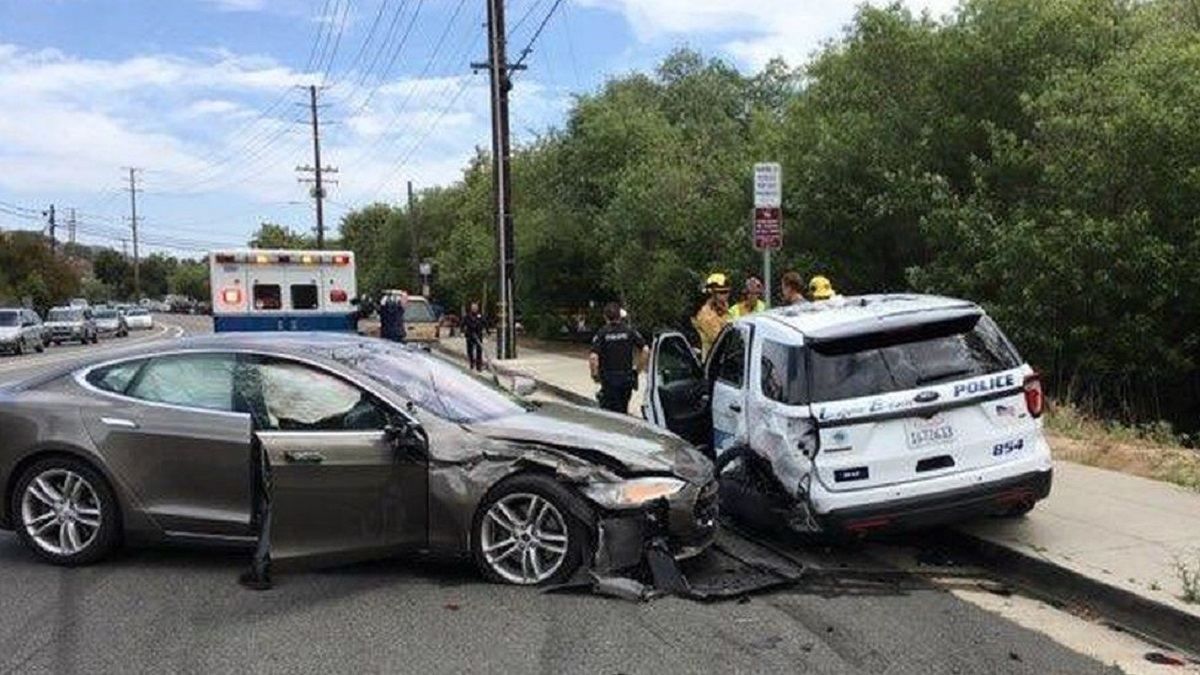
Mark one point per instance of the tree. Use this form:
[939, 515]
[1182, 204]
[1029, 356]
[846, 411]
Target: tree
[273, 235]
[112, 269]
[190, 278]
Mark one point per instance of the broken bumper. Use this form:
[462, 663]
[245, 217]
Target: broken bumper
[687, 522]
[941, 508]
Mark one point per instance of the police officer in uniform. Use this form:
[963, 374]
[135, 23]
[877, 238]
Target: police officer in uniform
[614, 348]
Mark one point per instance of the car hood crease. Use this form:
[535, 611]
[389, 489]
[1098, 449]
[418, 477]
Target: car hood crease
[596, 436]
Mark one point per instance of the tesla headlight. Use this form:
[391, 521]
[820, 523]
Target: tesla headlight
[632, 493]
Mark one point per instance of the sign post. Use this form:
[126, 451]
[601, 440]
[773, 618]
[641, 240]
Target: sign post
[768, 217]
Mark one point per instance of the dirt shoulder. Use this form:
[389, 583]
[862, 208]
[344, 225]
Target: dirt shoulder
[1139, 452]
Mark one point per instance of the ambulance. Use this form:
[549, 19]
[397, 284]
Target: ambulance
[283, 290]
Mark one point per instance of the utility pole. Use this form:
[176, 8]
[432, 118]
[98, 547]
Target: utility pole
[133, 223]
[317, 169]
[499, 69]
[53, 242]
[412, 236]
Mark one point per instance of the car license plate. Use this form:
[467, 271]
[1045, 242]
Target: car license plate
[922, 433]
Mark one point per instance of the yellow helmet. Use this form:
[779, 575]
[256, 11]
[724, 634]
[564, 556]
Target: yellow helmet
[819, 288]
[716, 283]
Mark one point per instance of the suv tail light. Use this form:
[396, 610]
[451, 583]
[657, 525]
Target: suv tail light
[337, 295]
[1035, 400]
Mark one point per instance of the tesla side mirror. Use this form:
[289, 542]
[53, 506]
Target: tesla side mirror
[407, 439]
[524, 386]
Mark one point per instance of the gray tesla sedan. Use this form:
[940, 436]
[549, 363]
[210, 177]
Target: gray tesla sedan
[329, 448]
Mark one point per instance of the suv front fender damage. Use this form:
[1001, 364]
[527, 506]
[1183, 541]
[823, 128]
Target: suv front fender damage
[768, 482]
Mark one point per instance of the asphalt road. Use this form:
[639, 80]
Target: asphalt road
[181, 610]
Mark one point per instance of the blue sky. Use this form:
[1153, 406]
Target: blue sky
[205, 96]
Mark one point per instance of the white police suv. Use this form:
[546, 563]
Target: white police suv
[860, 413]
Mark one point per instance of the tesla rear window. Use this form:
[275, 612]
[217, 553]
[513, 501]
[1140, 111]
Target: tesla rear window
[195, 381]
[115, 378]
[888, 366]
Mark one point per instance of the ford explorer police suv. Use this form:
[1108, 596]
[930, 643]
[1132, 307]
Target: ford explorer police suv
[860, 413]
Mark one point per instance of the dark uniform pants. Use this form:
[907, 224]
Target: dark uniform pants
[615, 390]
[475, 352]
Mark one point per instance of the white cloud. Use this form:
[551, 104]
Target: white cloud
[238, 5]
[228, 130]
[755, 31]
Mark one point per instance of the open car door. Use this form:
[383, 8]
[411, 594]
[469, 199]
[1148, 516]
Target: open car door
[346, 477]
[676, 396]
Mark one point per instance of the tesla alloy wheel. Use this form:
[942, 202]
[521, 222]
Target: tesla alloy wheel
[65, 512]
[525, 533]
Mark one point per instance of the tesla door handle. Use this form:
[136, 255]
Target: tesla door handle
[119, 422]
[735, 407]
[303, 457]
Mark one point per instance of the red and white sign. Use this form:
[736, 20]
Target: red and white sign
[768, 214]
[768, 228]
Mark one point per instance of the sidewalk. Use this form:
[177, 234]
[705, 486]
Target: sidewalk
[1120, 534]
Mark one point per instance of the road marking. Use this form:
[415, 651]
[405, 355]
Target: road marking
[20, 368]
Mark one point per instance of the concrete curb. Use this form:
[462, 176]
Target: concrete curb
[560, 392]
[1126, 609]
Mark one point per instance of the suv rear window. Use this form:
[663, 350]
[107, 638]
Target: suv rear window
[941, 354]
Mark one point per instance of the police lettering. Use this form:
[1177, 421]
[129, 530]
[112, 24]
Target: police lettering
[992, 383]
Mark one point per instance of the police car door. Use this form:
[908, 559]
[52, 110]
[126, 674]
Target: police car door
[676, 395]
[728, 374]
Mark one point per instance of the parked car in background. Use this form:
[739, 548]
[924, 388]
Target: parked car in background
[138, 318]
[69, 324]
[79, 302]
[20, 331]
[110, 321]
[420, 323]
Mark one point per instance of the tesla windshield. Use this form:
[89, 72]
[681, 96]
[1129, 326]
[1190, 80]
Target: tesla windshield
[9, 319]
[435, 386]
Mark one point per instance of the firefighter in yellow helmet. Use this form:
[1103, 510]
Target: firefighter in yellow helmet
[714, 313]
[819, 288]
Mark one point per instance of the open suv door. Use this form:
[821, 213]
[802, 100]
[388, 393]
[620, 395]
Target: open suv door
[677, 395]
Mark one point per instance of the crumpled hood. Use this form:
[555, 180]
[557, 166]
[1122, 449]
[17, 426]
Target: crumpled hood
[9, 331]
[637, 446]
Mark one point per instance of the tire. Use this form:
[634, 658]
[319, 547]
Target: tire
[93, 516]
[39, 347]
[549, 553]
[19, 350]
[57, 343]
[95, 338]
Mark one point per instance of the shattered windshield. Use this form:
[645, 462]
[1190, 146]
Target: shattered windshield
[439, 388]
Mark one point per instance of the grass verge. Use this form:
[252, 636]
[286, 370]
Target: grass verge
[1150, 451]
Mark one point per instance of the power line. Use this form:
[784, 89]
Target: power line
[536, 34]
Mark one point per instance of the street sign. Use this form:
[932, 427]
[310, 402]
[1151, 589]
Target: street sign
[768, 186]
[768, 228]
[768, 200]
